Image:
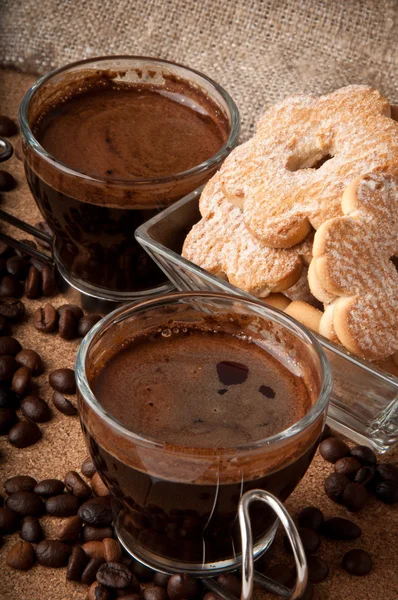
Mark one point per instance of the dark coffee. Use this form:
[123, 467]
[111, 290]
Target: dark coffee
[204, 393]
[117, 135]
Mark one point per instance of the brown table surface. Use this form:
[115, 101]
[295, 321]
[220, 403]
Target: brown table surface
[62, 448]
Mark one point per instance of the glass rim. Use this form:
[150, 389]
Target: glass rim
[269, 312]
[229, 144]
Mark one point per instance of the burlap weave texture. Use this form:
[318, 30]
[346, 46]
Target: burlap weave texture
[260, 50]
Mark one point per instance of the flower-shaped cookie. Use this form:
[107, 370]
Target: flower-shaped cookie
[221, 244]
[352, 262]
[292, 174]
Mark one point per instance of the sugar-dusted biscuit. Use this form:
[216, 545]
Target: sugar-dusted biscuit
[292, 174]
[326, 327]
[352, 260]
[305, 313]
[277, 301]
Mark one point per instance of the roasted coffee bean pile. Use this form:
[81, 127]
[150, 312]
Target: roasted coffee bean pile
[68, 320]
[357, 475]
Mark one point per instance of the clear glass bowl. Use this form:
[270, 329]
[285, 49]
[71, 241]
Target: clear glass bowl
[364, 401]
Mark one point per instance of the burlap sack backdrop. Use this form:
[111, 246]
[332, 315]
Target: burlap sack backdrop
[261, 51]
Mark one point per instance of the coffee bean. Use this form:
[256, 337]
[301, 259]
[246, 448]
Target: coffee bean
[94, 549]
[98, 592]
[77, 563]
[9, 521]
[48, 285]
[282, 574]
[31, 359]
[18, 266]
[348, 466]
[12, 309]
[21, 556]
[52, 553]
[334, 486]
[387, 492]
[308, 592]
[9, 346]
[4, 326]
[73, 308]
[357, 562]
[24, 434]
[22, 253]
[88, 468]
[230, 582]
[8, 419]
[31, 530]
[310, 517]
[7, 127]
[161, 580]
[8, 366]
[387, 472]
[338, 528]
[44, 227]
[309, 538]
[69, 530]
[318, 569]
[86, 323]
[93, 513]
[332, 449]
[364, 454]
[19, 483]
[7, 181]
[182, 586]
[25, 504]
[10, 287]
[365, 475]
[64, 405]
[141, 597]
[36, 409]
[116, 576]
[62, 380]
[76, 486]
[4, 249]
[112, 550]
[46, 318]
[90, 572]
[33, 283]
[63, 505]
[49, 487]
[21, 381]
[354, 496]
[98, 486]
[96, 534]
[142, 572]
[8, 398]
[155, 593]
[67, 325]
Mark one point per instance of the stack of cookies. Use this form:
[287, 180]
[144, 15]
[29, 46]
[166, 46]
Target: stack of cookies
[305, 216]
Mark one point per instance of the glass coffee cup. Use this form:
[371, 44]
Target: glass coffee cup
[93, 214]
[177, 493]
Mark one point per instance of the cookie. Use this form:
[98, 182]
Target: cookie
[352, 261]
[290, 177]
[305, 313]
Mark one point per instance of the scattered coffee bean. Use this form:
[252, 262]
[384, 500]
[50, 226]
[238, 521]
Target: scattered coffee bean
[76, 486]
[332, 449]
[161, 580]
[12, 309]
[77, 563]
[310, 517]
[318, 569]
[137, 596]
[31, 530]
[64, 405]
[230, 582]
[48, 284]
[62, 380]
[7, 181]
[21, 381]
[25, 504]
[112, 550]
[86, 323]
[334, 486]
[98, 592]
[52, 553]
[116, 576]
[69, 530]
[10, 287]
[8, 366]
[326, 433]
[28, 242]
[4, 326]
[143, 573]
[8, 398]
[94, 549]
[63, 505]
[308, 592]
[67, 325]
[46, 318]
[29, 358]
[21, 556]
[282, 574]
[309, 538]
[364, 454]
[182, 586]
[155, 593]
[88, 468]
[90, 572]
[35, 408]
[357, 562]
[9, 521]
[365, 475]
[96, 534]
[9, 346]
[8, 419]
[98, 486]
[354, 496]
[49, 487]
[73, 308]
[338, 528]
[387, 472]
[18, 266]
[387, 492]
[19, 483]
[4, 249]
[347, 466]
[44, 228]
[24, 434]
[7, 126]
[94, 513]
[33, 283]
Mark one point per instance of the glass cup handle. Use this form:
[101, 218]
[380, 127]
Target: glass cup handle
[247, 545]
